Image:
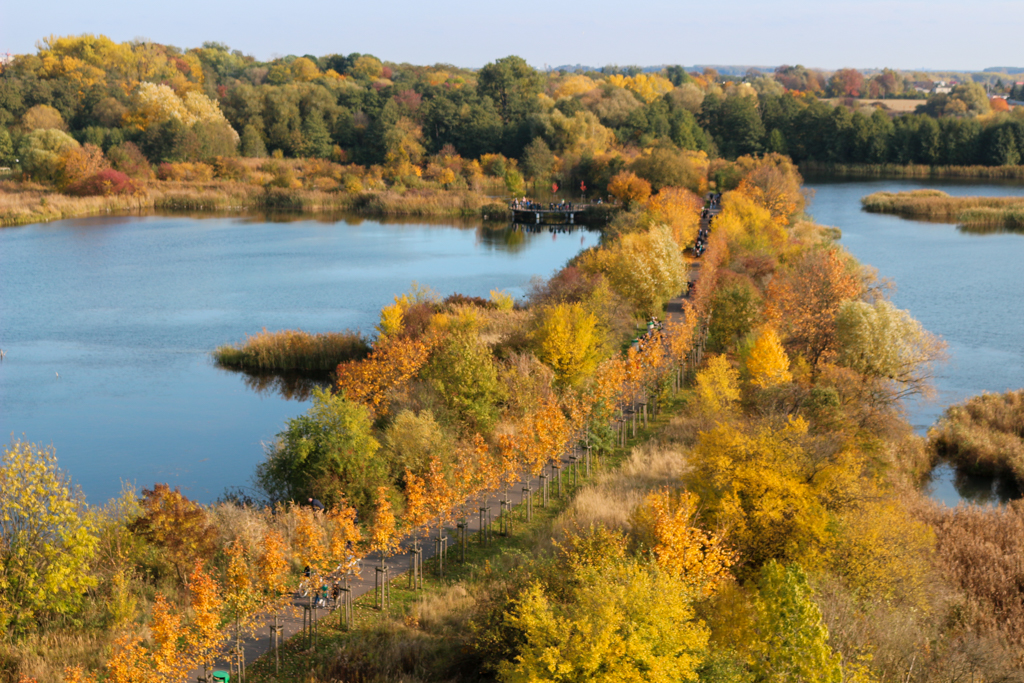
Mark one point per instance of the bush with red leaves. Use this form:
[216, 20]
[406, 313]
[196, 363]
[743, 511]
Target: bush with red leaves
[105, 183]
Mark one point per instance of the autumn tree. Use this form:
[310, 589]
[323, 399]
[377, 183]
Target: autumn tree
[328, 454]
[569, 340]
[771, 493]
[180, 527]
[768, 363]
[628, 188]
[846, 83]
[646, 269]
[884, 343]
[717, 386]
[666, 523]
[804, 302]
[463, 375]
[394, 361]
[623, 621]
[46, 542]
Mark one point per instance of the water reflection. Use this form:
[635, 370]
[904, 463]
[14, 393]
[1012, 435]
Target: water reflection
[290, 386]
[953, 487]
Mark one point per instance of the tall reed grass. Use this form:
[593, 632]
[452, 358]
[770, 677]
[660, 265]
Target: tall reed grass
[984, 219]
[985, 434]
[813, 168]
[293, 350]
[939, 206]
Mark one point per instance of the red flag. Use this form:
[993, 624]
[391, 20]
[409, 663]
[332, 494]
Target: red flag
[583, 186]
[554, 187]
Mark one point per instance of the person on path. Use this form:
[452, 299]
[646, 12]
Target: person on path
[316, 505]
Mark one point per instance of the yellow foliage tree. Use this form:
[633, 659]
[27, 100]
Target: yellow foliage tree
[768, 363]
[46, 540]
[622, 623]
[628, 188]
[569, 341]
[773, 495]
[648, 87]
[717, 386]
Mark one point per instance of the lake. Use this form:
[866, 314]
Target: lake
[108, 322]
[966, 287]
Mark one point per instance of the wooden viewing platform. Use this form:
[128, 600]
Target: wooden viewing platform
[538, 213]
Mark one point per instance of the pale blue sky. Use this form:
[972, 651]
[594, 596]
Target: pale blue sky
[908, 34]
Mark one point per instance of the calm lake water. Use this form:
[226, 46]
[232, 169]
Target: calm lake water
[107, 324]
[966, 287]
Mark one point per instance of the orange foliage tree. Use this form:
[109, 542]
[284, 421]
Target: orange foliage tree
[393, 362]
[805, 300]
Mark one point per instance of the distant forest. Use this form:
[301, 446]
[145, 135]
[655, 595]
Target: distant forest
[178, 105]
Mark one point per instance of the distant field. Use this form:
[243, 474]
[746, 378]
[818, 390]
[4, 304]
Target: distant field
[899, 106]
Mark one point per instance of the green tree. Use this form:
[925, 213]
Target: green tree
[882, 342]
[46, 542]
[252, 144]
[793, 645]
[6, 147]
[538, 160]
[40, 152]
[462, 373]
[328, 453]
[316, 139]
[513, 86]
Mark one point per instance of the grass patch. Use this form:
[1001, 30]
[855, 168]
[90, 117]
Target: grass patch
[293, 351]
[936, 205]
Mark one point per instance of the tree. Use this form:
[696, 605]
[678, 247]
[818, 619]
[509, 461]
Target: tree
[628, 188]
[768, 363]
[846, 83]
[177, 525]
[793, 645]
[41, 150]
[42, 117]
[316, 139]
[328, 454]
[252, 144]
[805, 300]
[884, 343]
[46, 541]
[717, 386]
[463, 375]
[646, 269]
[666, 523]
[538, 161]
[623, 622]
[569, 340]
[513, 86]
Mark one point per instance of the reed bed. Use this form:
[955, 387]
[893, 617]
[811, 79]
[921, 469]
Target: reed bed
[812, 168]
[20, 205]
[979, 220]
[423, 203]
[293, 351]
[939, 206]
[982, 551]
[985, 434]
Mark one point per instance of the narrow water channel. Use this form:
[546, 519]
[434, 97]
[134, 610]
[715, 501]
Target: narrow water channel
[966, 287]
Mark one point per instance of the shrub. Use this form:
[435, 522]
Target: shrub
[105, 183]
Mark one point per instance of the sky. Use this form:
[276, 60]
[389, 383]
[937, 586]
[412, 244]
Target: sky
[903, 34]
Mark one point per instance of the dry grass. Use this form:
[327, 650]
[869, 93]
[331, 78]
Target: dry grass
[937, 205]
[991, 218]
[611, 500]
[982, 551]
[812, 168]
[23, 203]
[293, 350]
[985, 434]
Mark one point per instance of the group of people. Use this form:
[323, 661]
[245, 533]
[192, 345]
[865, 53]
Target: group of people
[652, 335]
[701, 243]
[525, 204]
